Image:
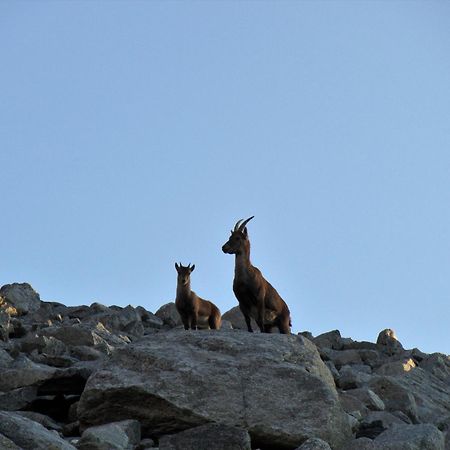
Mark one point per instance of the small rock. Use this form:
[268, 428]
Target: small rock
[124, 435]
[361, 444]
[331, 339]
[411, 437]
[314, 444]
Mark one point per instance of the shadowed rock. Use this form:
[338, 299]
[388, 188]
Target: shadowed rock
[207, 437]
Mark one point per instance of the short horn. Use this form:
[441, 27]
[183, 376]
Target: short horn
[245, 222]
[236, 227]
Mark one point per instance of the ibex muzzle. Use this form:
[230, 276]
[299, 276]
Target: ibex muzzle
[256, 296]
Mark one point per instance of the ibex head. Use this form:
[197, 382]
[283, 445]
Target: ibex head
[184, 273]
[238, 238]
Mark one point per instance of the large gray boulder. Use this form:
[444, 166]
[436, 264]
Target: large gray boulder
[207, 437]
[22, 296]
[169, 315]
[235, 316]
[274, 386]
[30, 435]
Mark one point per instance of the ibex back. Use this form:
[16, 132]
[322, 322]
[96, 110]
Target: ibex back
[193, 310]
[257, 297]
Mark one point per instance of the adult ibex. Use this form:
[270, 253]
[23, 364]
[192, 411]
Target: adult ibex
[257, 297]
[194, 310]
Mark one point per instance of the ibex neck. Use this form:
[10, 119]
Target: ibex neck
[183, 289]
[242, 263]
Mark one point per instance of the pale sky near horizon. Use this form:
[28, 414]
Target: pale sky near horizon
[135, 134]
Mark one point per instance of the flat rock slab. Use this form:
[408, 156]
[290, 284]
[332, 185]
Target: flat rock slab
[207, 437]
[274, 386]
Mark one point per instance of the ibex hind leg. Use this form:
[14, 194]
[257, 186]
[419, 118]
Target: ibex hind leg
[283, 325]
[214, 321]
[268, 328]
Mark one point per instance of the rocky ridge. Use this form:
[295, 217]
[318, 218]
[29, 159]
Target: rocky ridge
[105, 378]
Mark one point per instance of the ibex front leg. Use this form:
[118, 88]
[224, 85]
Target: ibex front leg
[194, 320]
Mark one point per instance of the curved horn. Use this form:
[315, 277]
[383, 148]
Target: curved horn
[245, 222]
[236, 227]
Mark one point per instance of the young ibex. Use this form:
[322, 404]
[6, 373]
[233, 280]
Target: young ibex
[193, 310]
[257, 297]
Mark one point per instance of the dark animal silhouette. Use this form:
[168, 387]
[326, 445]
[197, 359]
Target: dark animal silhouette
[193, 310]
[257, 297]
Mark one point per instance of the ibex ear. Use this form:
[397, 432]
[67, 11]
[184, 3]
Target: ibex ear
[193, 267]
[177, 267]
[245, 233]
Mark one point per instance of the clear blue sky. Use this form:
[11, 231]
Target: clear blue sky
[135, 134]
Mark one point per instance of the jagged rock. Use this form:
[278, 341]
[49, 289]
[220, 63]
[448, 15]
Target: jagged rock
[22, 296]
[5, 359]
[235, 316]
[352, 404]
[177, 380]
[71, 429]
[18, 329]
[85, 353]
[396, 368]
[370, 400]
[44, 420]
[5, 325]
[352, 377]
[207, 437]
[17, 398]
[125, 320]
[124, 435]
[24, 373]
[149, 319]
[422, 396]
[29, 434]
[333, 370]
[411, 437]
[94, 335]
[375, 423]
[314, 444]
[7, 444]
[388, 342]
[169, 315]
[331, 339]
[342, 358]
[438, 365]
[395, 396]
